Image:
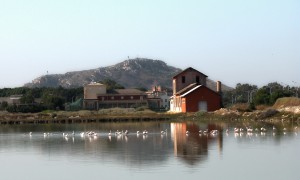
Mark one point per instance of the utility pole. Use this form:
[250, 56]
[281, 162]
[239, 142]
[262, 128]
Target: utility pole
[251, 95]
[297, 88]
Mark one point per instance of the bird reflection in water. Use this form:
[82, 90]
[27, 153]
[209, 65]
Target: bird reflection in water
[145, 136]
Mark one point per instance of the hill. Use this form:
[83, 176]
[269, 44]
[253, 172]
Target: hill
[133, 73]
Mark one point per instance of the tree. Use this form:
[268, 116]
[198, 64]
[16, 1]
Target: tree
[111, 85]
[53, 101]
[268, 94]
[4, 105]
[227, 98]
[242, 92]
[262, 97]
[27, 98]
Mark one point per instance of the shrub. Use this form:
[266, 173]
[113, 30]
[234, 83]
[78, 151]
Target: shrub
[200, 114]
[268, 113]
[25, 108]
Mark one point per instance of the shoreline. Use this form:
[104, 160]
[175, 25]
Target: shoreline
[83, 120]
[125, 115]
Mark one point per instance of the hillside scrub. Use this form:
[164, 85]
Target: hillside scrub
[286, 102]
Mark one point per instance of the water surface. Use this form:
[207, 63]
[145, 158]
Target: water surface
[48, 154]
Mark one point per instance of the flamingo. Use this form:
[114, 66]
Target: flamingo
[236, 130]
[82, 134]
[214, 132]
[126, 132]
[164, 132]
[249, 130]
[263, 129]
[117, 132]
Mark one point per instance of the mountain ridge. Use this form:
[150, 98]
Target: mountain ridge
[131, 73]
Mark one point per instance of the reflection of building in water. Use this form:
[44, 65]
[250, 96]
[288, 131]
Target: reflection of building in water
[193, 147]
[177, 132]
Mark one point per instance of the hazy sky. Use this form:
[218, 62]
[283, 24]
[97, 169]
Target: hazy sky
[246, 41]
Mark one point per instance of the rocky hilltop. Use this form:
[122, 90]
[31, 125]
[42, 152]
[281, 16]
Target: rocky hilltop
[132, 73]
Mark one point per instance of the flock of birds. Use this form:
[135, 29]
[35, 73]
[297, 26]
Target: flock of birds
[262, 129]
[95, 134]
[126, 132]
[240, 130]
[214, 132]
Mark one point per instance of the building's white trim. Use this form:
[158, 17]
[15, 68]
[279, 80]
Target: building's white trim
[191, 90]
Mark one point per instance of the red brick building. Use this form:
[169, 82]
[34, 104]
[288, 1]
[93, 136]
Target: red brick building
[190, 93]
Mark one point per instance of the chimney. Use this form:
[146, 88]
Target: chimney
[159, 88]
[153, 88]
[219, 88]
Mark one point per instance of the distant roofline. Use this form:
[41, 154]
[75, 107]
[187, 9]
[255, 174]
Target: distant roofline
[189, 68]
[131, 91]
[94, 84]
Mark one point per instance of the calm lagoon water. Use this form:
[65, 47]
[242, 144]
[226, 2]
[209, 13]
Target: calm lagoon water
[174, 155]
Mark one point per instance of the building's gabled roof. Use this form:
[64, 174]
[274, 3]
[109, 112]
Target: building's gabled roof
[187, 88]
[191, 90]
[192, 87]
[189, 69]
[197, 86]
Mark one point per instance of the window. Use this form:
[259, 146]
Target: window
[112, 97]
[131, 97]
[183, 79]
[197, 79]
[122, 97]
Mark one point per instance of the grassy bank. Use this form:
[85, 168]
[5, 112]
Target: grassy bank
[105, 115]
[283, 110]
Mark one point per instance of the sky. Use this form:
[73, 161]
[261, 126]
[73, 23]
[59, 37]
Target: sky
[233, 41]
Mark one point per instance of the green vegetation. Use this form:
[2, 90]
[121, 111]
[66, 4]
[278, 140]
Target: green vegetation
[244, 98]
[48, 98]
[254, 96]
[111, 85]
